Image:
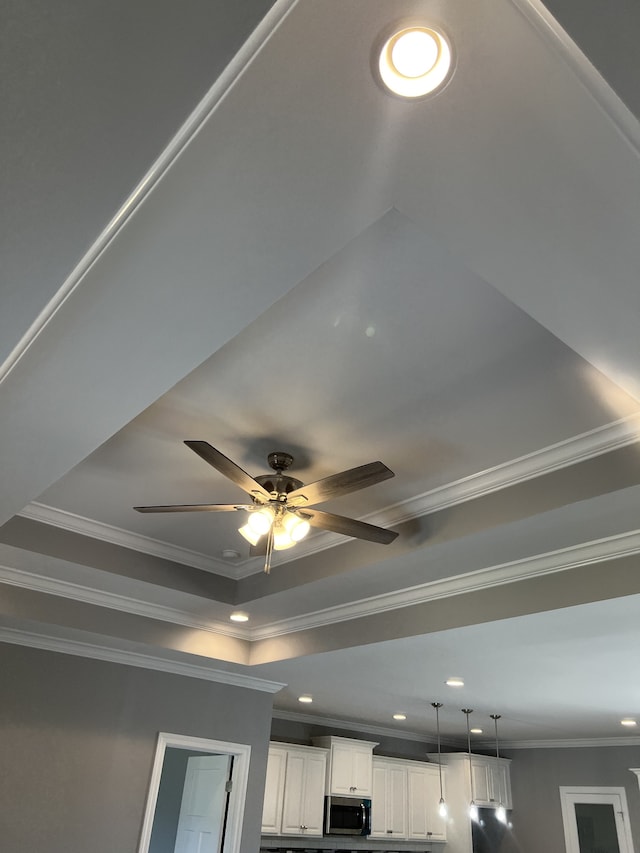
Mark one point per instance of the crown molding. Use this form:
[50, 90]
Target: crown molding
[563, 454]
[594, 83]
[612, 547]
[352, 725]
[622, 545]
[126, 539]
[176, 147]
[129, 658]
[570, 743]
[114, 601]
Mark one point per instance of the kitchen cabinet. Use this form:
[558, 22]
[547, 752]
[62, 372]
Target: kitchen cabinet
[274, 791]
[491, 781]
[423, 799]
[349, 767]
[389, 799]
[405, 800]
[294, 792]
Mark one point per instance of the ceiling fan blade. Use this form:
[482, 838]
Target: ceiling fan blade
[348, 526]
[195, 508]
[340, 484]
[230, 470]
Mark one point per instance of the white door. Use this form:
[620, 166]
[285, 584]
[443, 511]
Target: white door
[204, 802]
[596, 820]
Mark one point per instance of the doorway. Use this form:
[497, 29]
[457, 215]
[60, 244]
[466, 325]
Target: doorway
[196, 796]
[596, 820]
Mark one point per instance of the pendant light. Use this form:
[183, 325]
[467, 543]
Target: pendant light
[473, 808]
[501, 813]
[442, 806]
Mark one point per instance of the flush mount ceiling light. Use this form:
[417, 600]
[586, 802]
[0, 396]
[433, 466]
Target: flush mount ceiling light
[399, 716]
[414, 61]
[628, 722]
[306, 699]
[476, 731]
[454, 681]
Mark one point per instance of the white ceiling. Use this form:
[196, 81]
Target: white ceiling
[449, 286]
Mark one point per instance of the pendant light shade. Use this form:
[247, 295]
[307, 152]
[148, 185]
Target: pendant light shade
[473, 809]
[442, 806]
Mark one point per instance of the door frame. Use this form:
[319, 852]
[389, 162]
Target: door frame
[241, 753]
[572, 794]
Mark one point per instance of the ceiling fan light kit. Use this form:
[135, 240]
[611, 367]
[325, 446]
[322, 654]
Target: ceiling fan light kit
[281, 504]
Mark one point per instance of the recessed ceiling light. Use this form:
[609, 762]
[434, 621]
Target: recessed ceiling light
[454, 681]
[239, 616]
[476, 731]
[230, 554]
[399, 716]
[414, 61]
[628, 722]
[306, 698]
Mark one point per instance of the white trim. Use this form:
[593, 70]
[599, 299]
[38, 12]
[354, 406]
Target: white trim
[612, 547]
[357, 726]
[74, 523]
[635, 770]
[563, 454]
[594, 83]
[562, 743]
[615, 796]
[67, 646]
[241, 753]
[176, 147]
[114, 601]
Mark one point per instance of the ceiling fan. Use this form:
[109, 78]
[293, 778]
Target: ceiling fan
[281, 506]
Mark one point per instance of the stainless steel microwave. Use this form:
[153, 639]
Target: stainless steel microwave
[347, 816]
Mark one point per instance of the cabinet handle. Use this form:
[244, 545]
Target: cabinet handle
[390, 832]
[429, 833]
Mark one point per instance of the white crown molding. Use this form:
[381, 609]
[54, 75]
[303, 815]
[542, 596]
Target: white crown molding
[117, 536]
[129, 658]
[612, 547]
[616, 110]
[563, 454]
[176, 147]
[570, 743]
[352, 725]
[114, 601]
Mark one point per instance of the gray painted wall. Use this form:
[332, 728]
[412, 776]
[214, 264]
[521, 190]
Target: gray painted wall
[536, 776]
[77, 743]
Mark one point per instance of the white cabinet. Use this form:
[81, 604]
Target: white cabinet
[302, 807]
[405, 800]
[389, 799]
[349, 768]
[491, 781]
[423, 798]
[294, 791]
[274, 791]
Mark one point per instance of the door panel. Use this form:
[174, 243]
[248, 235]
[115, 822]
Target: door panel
[203, 807]
[596, 820]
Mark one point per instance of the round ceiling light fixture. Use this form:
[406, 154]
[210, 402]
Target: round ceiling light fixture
[415, 61]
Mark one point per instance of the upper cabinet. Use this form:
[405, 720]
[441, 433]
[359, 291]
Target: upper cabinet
[350, 766]
[423, 786]
[389, 801]
[491, 781]
[294, 791]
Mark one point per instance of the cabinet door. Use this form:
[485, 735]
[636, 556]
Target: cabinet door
[313, 805]
[293, 803]
[481, 776]
[436, 825]
[342, 770]
[379, 802]
[361, 772]
[273, 792]
[501, 784]
[396, 802]
[417, 803]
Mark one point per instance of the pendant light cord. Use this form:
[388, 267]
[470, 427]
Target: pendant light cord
[495, 718]
[437, 706]
[468, 711]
